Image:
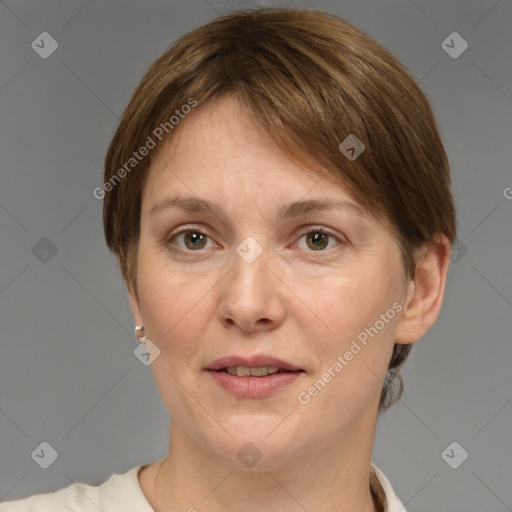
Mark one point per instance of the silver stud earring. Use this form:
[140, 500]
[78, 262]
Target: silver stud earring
[139, 334]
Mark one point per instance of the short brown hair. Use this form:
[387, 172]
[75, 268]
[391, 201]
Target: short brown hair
[309, 79]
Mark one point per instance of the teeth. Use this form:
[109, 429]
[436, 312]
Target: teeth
[244, 371]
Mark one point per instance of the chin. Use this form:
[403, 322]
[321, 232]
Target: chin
[257, 445]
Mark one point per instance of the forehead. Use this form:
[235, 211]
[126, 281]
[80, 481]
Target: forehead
[220, 132]
[220, 148]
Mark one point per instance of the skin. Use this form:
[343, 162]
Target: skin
[295, 302]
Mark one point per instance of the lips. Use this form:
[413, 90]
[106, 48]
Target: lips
[242, 384]
[252, 362]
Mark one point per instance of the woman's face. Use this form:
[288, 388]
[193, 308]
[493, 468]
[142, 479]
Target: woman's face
[318, 288]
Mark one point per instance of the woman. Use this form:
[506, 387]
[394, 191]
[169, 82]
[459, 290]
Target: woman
[278, 198]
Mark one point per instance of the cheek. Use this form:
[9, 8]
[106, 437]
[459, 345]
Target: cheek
[175, 306]
[172, 307]
[341, 307]
[347, 382]
[351, 338]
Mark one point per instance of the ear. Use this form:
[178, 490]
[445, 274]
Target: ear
[425, 292]
[134, 306]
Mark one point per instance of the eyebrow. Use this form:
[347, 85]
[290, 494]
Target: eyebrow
[196, 205]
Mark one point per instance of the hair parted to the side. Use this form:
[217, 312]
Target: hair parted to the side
[309, 79]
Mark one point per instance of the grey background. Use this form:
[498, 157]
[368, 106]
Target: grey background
[68, 375]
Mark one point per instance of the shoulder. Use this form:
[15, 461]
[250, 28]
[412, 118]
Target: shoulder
[121, 492]
[393, 503]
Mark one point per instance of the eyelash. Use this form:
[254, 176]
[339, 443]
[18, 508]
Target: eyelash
[318, 229]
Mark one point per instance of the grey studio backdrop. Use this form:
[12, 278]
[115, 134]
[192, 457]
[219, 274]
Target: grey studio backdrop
[69, 377]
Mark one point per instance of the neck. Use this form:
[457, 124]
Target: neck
[332, 477]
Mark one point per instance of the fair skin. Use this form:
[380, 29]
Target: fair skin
[296, 302]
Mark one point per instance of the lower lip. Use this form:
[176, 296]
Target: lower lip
[254, 387]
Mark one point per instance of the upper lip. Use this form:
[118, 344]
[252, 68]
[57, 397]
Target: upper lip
[251, 362]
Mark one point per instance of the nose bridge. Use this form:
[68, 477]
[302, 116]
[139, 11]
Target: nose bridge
[251, 297]
[250, 250]
[250, 265]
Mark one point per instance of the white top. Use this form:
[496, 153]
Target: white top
[122, 493]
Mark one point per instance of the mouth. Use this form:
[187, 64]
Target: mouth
[258, 371]
[255, 377]
[256, 366]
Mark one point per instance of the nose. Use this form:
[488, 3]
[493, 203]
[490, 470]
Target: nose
[253, 298]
